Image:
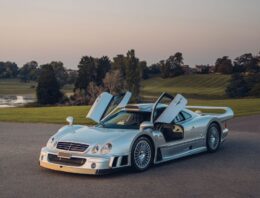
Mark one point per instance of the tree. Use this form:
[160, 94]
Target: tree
[60, 72]
[255, 91]
[2, 70]
[133, 77]
[113, 82]
[172, 66]
[203, 69]
[238, 68]
[103, 65]
[86, 73]
[48, 90]
[8, 69]
[252, 79]
[144, 71]
[178, 58]
[72, 76]
[154, 69]
[253, 82]
[29, 71]
[237, 87]
[165, 70]
[93, 92]
[119, 63]
[224, 65]
[247, 63]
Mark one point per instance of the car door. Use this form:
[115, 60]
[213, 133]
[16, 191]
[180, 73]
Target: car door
[193, 134]
[106, 104]
[174, 106]
[182, 145]
[172, 115]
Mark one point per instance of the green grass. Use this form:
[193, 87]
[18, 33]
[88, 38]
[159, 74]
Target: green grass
[201, 86]
[45, 114]
[16, 87]
[241, 107]
[210, 89]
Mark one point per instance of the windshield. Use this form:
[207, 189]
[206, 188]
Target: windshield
[125, 120]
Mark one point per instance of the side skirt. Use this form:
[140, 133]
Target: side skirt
[183, 154]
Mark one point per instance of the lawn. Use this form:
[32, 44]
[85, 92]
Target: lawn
[16, 87]
[199, 89]
[200, 86]
[241, 107]
[45, 114]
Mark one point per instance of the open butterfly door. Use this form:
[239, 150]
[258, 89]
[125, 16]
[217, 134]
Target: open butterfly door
[175, 106]
[106, 103]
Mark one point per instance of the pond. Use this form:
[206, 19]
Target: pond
[15, 101]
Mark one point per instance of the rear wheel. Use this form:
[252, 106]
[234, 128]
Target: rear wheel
[213, 138]
[142, 154]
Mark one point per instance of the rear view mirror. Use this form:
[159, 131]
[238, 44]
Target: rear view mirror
[70, 120]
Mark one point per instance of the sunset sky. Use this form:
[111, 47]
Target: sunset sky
[65, 30]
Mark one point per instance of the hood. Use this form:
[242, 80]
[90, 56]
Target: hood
[95, 135]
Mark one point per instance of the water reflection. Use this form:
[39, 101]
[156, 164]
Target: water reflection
[14, 101]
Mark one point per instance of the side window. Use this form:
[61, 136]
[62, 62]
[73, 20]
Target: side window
[158, 112]
[186, 115]
[179, 118]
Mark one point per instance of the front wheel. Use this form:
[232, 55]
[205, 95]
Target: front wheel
[142, 154]
[213, 138]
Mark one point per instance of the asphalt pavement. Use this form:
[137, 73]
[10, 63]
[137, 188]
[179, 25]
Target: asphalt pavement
[234, 171]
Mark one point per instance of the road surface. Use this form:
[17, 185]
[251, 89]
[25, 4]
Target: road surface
[234, 171]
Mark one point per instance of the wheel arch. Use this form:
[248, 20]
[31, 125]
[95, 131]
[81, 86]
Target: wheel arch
[218, 125]
[149, 137]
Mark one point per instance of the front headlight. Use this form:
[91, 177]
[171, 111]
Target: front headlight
[51, 142]
[106, 148]
[95, 149]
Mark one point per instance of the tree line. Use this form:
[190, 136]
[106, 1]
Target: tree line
[94, 76]
[245, 79]
[30, 71]
[244, 71]
[125, 72]
[174, 66]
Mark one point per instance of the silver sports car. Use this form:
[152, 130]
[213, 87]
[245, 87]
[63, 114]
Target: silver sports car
[135, 135]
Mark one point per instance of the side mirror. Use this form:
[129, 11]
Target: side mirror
[146, 125]
[70, 120]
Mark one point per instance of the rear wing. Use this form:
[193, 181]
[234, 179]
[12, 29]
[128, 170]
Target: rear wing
[227, 115]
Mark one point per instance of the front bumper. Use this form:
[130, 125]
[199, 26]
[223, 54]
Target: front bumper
[92, 165]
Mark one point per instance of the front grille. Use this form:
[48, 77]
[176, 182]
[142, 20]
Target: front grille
[73, 161]
[70, 146]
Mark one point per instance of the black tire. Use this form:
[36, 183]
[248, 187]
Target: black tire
[213, 138]
[144, 156]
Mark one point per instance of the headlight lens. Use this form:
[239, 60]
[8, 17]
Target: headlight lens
[106, 148]
[95, 149]
[51, 142]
